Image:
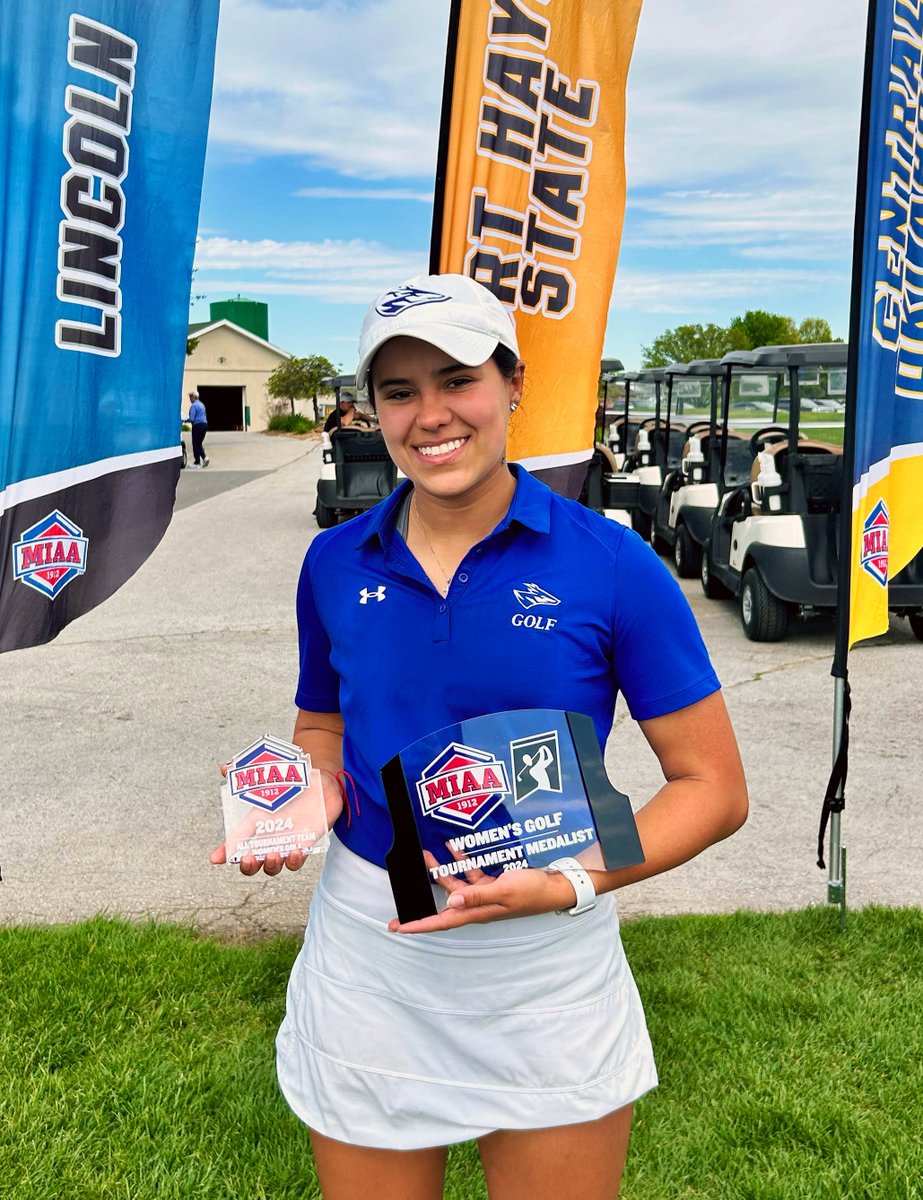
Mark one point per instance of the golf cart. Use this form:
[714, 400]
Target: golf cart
[689, 494]
[357, 470]
[773, 539]
[612, 486]
[658, 450]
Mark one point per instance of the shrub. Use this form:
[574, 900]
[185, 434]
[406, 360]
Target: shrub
[290, 423]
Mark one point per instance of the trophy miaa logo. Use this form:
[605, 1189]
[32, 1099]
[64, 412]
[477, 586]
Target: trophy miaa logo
[267, 775]
[462, 785]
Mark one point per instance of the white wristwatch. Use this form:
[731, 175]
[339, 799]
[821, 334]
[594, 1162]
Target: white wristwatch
[581, 883]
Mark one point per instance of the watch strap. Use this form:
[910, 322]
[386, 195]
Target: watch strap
[579, 880]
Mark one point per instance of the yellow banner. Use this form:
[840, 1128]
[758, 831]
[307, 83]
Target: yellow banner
[534, 194]
[879, 549]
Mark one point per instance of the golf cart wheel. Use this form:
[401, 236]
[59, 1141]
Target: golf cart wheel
[641, 523]
[713, 588]
[687, 554]
[326, 517]
[763, 615]
[916, 625]
[660, 546]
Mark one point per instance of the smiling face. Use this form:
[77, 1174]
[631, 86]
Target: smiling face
[444, 423]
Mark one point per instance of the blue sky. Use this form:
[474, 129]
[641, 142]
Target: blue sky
[740, 150]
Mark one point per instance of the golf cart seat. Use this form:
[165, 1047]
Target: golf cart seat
[814, 474]
[595, 491]
[614, 431]
[667, 445]
[364, 469]
[739, 461]
[737, 465]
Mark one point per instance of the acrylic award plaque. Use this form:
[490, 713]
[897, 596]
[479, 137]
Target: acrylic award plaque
[273, 802]
[499, 793]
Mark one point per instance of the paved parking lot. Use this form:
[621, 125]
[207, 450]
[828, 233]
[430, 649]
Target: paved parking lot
[111, 735]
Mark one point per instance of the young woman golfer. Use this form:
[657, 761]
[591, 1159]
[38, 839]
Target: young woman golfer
[505, 1018]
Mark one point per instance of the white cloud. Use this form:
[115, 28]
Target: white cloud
[740, 146]
[333, 193]
[345, 272]
[354, 88]
[717, 291]
[798, 223]
[719, 88]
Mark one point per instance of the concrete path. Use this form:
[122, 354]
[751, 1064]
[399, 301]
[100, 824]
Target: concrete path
[111, 735]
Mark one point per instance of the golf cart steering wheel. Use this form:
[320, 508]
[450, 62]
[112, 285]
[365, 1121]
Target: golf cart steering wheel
[697, 427]
[768, 434]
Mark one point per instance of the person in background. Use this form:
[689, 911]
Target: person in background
[342, 415]
[199, 422]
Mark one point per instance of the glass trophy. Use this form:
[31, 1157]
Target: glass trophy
[499, 793]
[273, 802]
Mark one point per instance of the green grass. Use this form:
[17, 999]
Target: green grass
[136, 1062]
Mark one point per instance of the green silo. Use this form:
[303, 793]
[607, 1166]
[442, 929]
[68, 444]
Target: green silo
[252, 315]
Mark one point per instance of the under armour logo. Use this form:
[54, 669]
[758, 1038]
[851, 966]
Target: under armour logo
[531, 595]
[365, 595]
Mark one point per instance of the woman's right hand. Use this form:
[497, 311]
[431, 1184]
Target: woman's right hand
[273, 863]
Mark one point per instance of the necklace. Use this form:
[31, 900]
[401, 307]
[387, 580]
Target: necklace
[448, 579]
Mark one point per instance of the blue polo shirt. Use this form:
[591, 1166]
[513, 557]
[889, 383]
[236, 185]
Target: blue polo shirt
[557, 608]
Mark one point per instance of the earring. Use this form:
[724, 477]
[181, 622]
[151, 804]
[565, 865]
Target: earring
[514, 405]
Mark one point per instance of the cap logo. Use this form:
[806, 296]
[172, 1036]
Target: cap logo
[393, 303]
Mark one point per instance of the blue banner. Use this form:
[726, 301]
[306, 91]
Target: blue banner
[887, 403]
[103, 120]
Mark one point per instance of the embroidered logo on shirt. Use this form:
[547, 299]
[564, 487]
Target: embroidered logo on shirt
[366, 594]
[462, 785]
[531, 594]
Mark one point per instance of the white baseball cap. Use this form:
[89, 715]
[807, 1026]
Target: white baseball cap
[452, 312]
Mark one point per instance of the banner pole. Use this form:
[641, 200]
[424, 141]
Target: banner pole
[834, 799]
[445, 123]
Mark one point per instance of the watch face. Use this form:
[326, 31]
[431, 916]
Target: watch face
[502, 792]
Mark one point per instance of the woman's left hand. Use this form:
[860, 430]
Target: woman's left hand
[521, 893]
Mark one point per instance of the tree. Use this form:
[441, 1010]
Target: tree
[816, 329]
[760, 328]
[686, 342]
[191, 344]
[299, 379]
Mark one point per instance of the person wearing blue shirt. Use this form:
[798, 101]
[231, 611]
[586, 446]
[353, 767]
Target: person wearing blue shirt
[511, 1016]
[199, 423]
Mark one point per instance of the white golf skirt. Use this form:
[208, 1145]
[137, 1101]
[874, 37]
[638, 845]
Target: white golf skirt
[402, 1041]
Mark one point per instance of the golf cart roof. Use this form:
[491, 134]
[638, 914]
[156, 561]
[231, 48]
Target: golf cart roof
[698, 366]
[810, 354]
[335, 381]
[627, 376]
[652, 374]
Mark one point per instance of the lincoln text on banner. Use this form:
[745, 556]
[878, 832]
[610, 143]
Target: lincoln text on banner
[103, 114]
